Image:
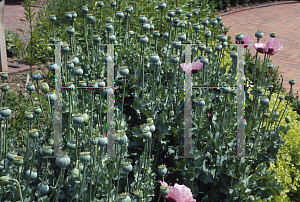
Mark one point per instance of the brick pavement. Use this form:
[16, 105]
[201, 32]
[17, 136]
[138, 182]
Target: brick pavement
[282, 18]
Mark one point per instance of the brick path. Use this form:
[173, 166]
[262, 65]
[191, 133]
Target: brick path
[282, 18]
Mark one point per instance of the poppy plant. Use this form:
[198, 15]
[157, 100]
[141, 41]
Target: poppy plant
[194, 68]
[270, 47]
[246, 40]
[179, 193]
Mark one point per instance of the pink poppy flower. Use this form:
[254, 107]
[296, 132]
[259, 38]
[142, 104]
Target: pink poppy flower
[246, 40]
[194, 68]
[179, 193]
[270, 47]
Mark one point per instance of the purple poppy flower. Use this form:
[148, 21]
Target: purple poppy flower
[194, 68]
[270, 47]
[246, 40]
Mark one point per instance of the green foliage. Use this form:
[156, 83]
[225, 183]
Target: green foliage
[14, 45]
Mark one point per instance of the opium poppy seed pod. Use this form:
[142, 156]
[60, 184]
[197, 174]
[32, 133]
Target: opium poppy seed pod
[208, 50]
[124, 71]
[51, 96]
[62, 160]
[102, 141]
[202, 47]
[182, 36]
[4, 75]
[162, 5]
[176, 20]
[36, 76]
[146, 134]
[70, 64]
[30, 87]
[29, 116]
[288, 119]
[70, 30]
[222, 38]
[270, 66]
[113, 3]
[52, 67]
[109, 20]
[218, 47]
[174, 59]
[259, 34]
[71, 145]
[207, 34]
[74, 59]
[204, 60]
[142, 19]
[264, 101]
[178, 11]
[146, 26]
[166, 35]
[47, 151]
[37, 110]
[112, 37]
[138, 194]
[272, 34]
[205, 22]
[65, 48]
[18, 160]
[77, 71]
[127, 167]
[10, 155]
[219, 18]
[239, 37]
[93, 141]
[84, 10]
[96, 38]
[108, 27]
[74, 14]
[144, 39]
[84, 157]
[162, 170]
[33, 174]
[128, 9]
[119, 14]
[169, 19]
[44, 188]
[154, 58]
[155, 33]
[234, 54]
[33, 133]
[164, 190]
[100, 4]
[189, 14]
[68, 15]
[4, 87]
[292, 82]
[201, 102]
[52, 18]
[89, 17]
[144, 127]
[214, 21]
[171, 13]
[196, 11]
[78, 119]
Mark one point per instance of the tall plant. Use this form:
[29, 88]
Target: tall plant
[29, 16]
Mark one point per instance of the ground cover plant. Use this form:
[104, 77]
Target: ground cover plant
[149, 109]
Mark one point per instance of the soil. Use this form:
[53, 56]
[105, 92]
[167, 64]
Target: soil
[17, 81]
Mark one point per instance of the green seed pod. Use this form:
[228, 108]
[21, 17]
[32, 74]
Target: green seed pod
[162, 170]
[85, 157]
[75, 174]
[37, 110]
[62, 161]
[47, 150]
[45, 88]
[164, 190]
[138, 194]
[33, 133]
[29, 116]
[127, 167]
[146, 134]
[5, 112]
[71, 145]
[18, 160]
[288, 119]
[4, 180]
